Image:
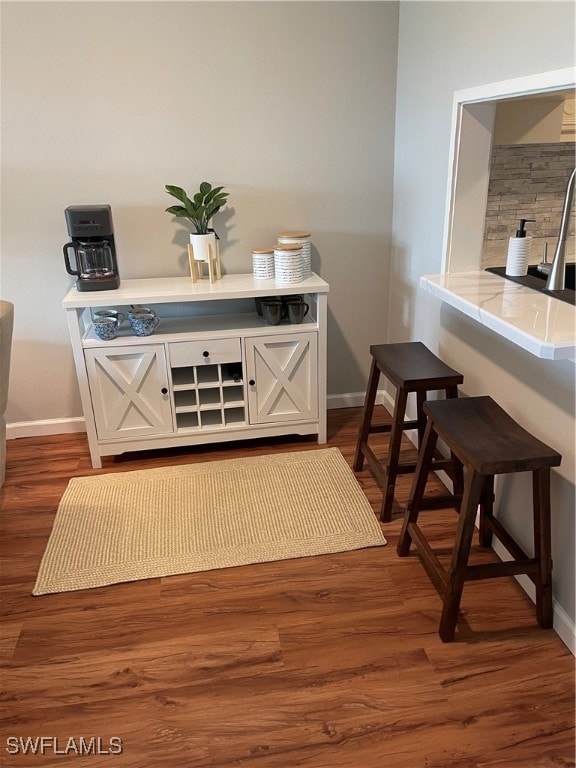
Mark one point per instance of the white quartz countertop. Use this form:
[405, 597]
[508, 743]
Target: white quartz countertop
[542, 325]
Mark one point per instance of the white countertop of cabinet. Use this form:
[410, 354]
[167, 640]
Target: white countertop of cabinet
[163, 290]
[538, 323]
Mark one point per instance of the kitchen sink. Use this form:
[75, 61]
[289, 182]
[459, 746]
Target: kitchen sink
[537, 281]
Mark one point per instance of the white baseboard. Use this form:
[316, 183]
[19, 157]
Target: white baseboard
[563, 625]
[44, 427]
[76, 424]
[354, 400]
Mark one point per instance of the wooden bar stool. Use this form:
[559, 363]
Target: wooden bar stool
[488, 442]
[410, 367]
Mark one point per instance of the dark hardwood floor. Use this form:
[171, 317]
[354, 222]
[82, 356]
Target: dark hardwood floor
[318, 662]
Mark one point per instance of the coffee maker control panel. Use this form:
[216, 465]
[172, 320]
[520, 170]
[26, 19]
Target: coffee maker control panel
[89, 220]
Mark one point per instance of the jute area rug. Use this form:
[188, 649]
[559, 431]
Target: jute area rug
[157, 522]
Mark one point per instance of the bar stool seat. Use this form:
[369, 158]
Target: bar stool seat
[410, 367]
[487, 441]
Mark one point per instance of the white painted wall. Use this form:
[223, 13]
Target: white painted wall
[445, 47]
[289, 105]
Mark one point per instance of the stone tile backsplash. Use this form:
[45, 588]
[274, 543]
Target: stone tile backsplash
[527, 181]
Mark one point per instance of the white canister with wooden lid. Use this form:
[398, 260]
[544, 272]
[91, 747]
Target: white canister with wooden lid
[302, 238]
[263, 263]
[288, 266]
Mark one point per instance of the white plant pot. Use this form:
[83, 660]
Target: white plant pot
[200, 245]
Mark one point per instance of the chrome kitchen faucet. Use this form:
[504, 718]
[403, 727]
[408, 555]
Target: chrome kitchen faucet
[557, 275]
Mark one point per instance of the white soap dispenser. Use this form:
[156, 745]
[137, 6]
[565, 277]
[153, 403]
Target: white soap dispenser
[519, 252]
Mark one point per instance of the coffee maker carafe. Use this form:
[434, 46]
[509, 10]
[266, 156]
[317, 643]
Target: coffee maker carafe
[90, 227]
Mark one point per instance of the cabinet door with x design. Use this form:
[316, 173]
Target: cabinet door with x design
[282, 377]
[130, 391]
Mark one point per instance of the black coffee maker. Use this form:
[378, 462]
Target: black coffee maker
[90, 227]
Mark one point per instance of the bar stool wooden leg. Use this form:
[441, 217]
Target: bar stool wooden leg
[451, 392]
[457, 480]
[369, 401]
[458, 472]
[486, 512]
[542, 546]
[420, 415]
[393, 455]
[457, 572]
[417, 490]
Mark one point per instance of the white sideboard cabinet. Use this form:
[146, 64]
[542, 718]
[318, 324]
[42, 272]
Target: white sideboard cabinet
[212, 371]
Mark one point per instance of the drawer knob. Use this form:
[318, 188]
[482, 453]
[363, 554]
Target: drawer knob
[205, 354]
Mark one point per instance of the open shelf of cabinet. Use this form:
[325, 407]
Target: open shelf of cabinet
[199, 328]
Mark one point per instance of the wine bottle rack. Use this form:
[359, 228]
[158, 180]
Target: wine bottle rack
[208, 396]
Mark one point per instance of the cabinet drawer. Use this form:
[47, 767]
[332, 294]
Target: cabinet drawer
[183, 353]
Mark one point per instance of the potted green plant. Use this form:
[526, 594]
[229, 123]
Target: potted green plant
[199, 210]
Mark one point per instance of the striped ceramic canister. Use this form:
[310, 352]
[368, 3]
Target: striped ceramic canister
[263, 263]
[303, 238]
[288, 263]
